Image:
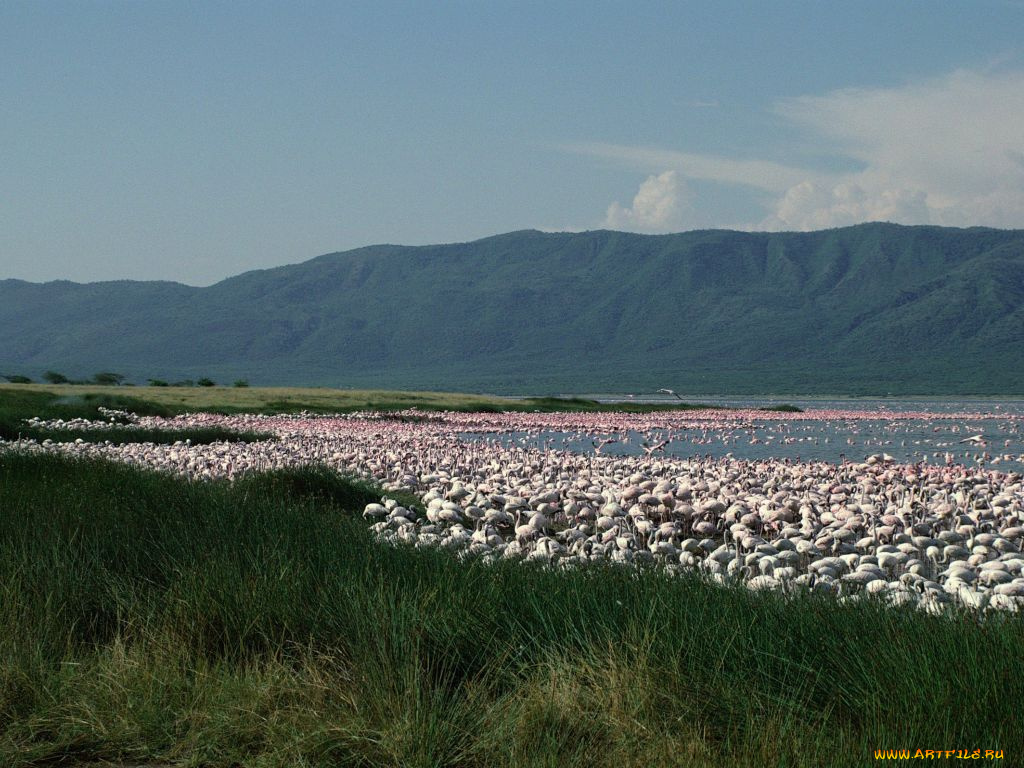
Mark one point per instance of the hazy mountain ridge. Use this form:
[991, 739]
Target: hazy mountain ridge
[874, 308]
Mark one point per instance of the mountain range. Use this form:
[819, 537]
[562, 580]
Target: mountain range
[872, 309]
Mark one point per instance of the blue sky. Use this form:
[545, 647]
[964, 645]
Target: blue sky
[193, 141]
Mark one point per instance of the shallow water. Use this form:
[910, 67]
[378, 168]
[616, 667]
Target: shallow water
[937, 405]
[938, 438]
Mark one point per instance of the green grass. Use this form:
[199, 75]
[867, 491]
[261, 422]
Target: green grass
[19, 401]
[784, 408]
[122, 435]
[145, 618]
[71, 402]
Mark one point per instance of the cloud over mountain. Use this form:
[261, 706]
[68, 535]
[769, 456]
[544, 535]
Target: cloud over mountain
[946, 151]
[657, 207]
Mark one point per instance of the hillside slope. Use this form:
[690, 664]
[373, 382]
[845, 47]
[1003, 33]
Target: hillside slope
[870, 309]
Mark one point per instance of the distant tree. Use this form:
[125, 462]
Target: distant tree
[184, 383]
[241, 383]
[108, 378]
[55, 378]
[158, 383]
[16, 379]
[205, 382]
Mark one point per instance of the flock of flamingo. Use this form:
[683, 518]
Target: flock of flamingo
[566, 489]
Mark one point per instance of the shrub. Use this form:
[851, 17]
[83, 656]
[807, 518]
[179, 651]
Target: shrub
[15, 379]
[241, 383]
[205, 382]
[55, 378]
[107, 377]
[158, 383]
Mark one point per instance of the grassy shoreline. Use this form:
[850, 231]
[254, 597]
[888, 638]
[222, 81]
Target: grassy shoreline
[19, 402]
[167, 401]
[148, 618]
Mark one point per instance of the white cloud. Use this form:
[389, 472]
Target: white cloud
[811, 206]
[945, 151]
[658, 206]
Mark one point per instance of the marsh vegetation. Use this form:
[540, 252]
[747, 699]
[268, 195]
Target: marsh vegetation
[148, 618]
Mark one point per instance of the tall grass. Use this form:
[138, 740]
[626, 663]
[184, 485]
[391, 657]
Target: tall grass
[144, 617]
[18, 404]
[128, 434]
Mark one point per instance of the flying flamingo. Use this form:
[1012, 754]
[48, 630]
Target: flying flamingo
[649, 449]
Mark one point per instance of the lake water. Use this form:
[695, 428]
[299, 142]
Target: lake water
[1013, 406]
[969, 431]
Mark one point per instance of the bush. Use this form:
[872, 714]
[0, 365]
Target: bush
[55, 378]
[205, 382]
[241, 383]
[158, 383]
[108, 378]
[15, 379]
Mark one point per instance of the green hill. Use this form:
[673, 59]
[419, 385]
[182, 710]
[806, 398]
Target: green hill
[871, 309]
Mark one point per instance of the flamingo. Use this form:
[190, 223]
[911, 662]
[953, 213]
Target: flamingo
[650, 449]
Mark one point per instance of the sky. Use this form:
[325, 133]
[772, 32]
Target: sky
[193, 141]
